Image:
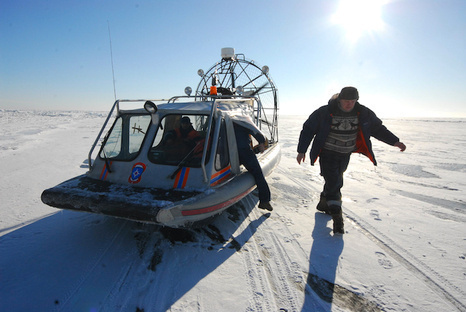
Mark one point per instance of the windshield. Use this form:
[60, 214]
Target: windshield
[124, 140]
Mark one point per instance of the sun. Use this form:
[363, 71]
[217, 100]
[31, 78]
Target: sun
[359, 17]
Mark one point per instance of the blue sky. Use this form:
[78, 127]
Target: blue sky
[406, 57]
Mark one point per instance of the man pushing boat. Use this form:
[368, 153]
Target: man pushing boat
[249, 160]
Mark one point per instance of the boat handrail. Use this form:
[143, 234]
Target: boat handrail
[214, 100]
[139, 100]
[212, 97]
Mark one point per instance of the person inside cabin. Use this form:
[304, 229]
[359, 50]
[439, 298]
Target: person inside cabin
[185, 138]
[184, 134]
[249, 160]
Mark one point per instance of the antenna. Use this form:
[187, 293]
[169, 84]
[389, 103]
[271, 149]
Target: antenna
[111, 58]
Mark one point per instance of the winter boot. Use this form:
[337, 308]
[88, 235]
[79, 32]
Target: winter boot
[322, 205]
[265, 205]
[337, 216]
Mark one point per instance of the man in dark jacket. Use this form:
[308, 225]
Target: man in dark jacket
[249, 160]
[340, 128]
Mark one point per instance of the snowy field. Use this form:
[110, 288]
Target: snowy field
[404, 247]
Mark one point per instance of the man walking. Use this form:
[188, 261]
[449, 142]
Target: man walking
[338, 129]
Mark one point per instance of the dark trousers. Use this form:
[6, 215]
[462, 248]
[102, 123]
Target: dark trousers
[332, 167]
[250, 162]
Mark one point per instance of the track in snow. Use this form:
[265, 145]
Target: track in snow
[429, 276]
[273, 277]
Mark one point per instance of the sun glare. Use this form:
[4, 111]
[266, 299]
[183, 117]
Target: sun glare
[358, 17]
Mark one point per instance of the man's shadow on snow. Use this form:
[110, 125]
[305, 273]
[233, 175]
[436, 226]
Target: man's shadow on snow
[323, 264]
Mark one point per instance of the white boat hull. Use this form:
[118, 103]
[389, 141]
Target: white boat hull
[174, 208]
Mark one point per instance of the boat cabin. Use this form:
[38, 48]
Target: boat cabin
[182, 145]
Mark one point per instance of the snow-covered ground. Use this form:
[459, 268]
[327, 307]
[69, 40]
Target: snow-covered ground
[404, 247]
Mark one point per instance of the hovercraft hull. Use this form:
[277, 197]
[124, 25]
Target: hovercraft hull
[174, 208]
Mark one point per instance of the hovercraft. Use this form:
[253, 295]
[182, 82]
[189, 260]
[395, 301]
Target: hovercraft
[142, 170]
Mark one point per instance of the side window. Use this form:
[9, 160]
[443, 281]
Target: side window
[222, 158]
[180, 140]
[125, 138]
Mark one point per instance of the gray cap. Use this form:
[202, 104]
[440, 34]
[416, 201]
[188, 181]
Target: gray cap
[349, 93]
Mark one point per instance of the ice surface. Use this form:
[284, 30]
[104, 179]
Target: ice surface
[404, 247]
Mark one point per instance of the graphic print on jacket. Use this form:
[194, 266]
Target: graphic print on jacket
[343, 133]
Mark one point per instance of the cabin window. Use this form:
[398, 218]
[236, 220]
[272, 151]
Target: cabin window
[222, 158]
[180, 140]
[124, 140]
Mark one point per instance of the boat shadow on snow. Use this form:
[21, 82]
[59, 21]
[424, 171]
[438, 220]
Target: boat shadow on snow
[77, 249]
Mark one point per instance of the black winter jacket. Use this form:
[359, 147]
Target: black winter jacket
[317, 127]
[242, 136]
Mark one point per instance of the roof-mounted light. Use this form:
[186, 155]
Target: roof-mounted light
[265, 70]
[240, 90]
[188, 91]
[200, 72]
[228, 53]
